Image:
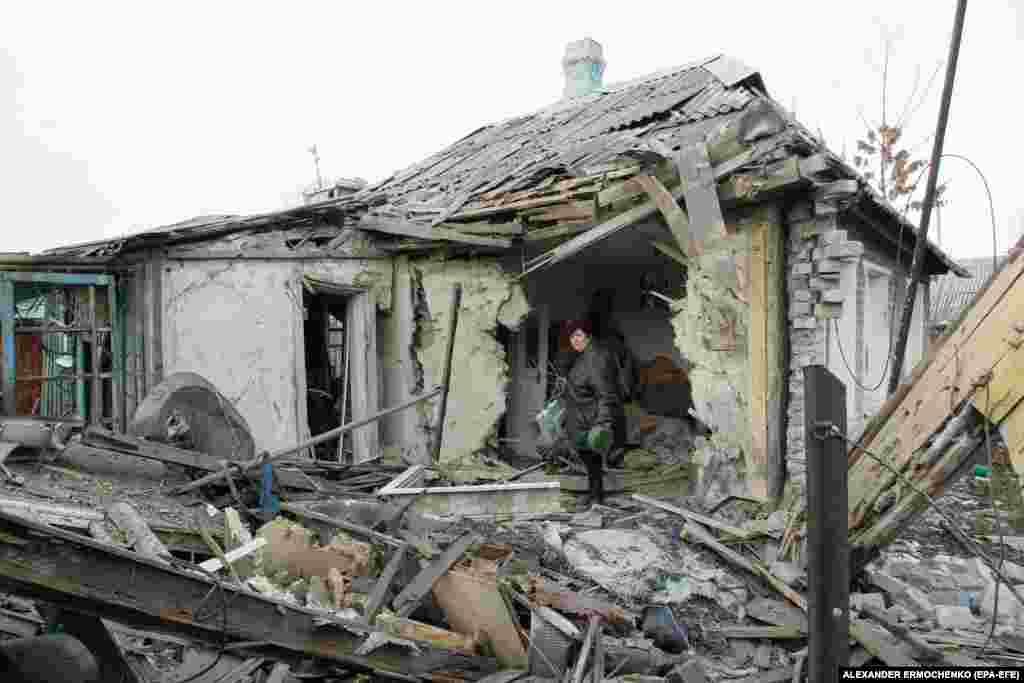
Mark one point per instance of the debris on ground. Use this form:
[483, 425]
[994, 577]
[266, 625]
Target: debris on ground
[430, 576]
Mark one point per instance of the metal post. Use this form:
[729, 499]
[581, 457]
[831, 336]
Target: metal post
[828, 563]
[917, 265]
[9, 369]
[453, 322]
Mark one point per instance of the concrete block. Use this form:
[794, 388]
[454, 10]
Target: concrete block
[828, 311]
[954, 617]
[818, 254]
[827, 265]
[802, 269]
[832, 296]
[804, 323]
[843, 250]
[832, 237]
[803, 295]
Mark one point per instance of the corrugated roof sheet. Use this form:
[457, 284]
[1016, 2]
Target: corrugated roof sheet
[951, 294]
[569, 138]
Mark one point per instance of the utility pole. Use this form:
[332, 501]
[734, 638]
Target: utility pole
[316, 164]
[917, 266]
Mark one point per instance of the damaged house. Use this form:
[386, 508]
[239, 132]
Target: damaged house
[685, 211]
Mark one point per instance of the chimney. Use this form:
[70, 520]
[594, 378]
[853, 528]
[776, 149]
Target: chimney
[583, 66]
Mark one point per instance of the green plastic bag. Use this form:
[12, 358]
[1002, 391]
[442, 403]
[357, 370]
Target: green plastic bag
[551, 423]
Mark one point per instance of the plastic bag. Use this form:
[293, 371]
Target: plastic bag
[551, 423]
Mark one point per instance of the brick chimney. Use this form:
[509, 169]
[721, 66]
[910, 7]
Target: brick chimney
[583, 66]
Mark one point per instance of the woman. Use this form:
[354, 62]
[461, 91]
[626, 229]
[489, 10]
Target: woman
[596, 422]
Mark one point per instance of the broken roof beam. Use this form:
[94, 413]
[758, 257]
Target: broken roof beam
[91, 578]
[402, 228]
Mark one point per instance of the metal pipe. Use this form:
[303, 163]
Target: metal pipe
[453, 322]
[261, 460]
[920, 247]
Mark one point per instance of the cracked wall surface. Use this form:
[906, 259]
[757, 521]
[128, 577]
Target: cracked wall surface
[712, 329]
[480, 372]
[239, 325]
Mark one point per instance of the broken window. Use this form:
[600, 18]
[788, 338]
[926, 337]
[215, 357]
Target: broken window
[62, 349]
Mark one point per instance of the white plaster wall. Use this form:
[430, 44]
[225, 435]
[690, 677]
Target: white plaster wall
[239, 325]
[480, 372]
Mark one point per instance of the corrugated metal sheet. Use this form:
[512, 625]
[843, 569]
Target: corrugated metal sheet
[951, 294]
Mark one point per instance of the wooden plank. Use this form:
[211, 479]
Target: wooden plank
[8, 355]
[694, 516]
[512, 228]
[585, 654]
[879, 643]
[950, 376]
[672, 252]
[570, 211]
[409, 599]
[356, 529]
[766, 632]
[88, 577]
[362, 326]
[744, 187]
[757, 470]
[555, 231]
[425, 232]
[1013, 430]
[118, 404]
[380, 589]
[676, 218]
[215, 564]
[701, 194]
[140, 536]
[778, 613]
[411, 476]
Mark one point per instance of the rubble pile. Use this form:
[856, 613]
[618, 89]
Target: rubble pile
[403, 573]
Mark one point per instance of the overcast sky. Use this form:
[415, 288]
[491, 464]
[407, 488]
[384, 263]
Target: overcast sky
[119, 117]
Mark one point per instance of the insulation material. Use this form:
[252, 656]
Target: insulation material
[712, 330]
[480, 372]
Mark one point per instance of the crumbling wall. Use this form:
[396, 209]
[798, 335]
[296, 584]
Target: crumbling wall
[827, 253]
[712, 330]
[480, 372]
[239, 324]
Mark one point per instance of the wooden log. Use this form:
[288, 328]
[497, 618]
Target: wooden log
[140, 536]
[677, 218]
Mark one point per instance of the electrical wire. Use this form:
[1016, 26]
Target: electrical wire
[999, 526]
[964, 538]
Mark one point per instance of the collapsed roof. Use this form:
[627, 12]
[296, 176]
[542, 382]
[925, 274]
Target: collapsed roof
[507, 182]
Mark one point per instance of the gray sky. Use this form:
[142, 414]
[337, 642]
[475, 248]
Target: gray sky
[117, 117]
